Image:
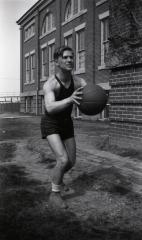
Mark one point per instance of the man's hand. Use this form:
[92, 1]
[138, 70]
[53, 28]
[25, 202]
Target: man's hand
[77, 95]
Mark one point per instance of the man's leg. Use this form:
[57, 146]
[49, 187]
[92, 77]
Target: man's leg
[61, 156]
[70, 146]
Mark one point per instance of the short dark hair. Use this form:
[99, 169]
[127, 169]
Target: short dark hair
[59, 51]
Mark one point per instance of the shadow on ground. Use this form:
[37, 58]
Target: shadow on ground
[115, 212]
[24, 214]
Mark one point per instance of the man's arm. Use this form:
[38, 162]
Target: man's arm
[52, 106]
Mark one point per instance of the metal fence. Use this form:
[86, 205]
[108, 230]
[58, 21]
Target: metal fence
[9, 104]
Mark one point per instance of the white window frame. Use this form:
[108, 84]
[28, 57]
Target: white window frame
[26, 104]
[66, 36]
[43, 77]
[32, 65]
[29, 30]
[48, 28]
[72, 14]
[50, 57]
[79, 28]
[102, 17]
[100, 2]
[27, 63]
[31, 104]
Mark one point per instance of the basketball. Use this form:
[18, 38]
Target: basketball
[94, 99]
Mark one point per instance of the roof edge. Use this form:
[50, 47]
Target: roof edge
[30, 11]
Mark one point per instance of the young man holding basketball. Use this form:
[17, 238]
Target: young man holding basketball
[61, 91]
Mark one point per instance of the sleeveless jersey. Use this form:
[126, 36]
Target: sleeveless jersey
[63, 93]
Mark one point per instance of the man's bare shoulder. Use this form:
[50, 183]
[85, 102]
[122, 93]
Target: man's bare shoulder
[79, 82]
[51, 84]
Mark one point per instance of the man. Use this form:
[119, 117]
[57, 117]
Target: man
[61, 91]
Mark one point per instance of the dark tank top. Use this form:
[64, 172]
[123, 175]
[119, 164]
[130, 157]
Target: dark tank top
[63, 93]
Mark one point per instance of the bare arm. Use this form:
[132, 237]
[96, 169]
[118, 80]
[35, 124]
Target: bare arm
[52, 106]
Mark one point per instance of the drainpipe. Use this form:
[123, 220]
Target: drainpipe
[60, 7]
[21, 59]
[37, 61]
[36, 101]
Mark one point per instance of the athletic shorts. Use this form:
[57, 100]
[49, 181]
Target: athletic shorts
[62, 127]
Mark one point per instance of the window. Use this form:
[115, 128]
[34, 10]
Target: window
[30, 30]
[31, 104]
[80, 50]
[51, 58]
[27, 57]
[104, 18]
[26, 104]
[73, 7]
[44, 61]
[32, 67]
[68, 41]
[48, 23]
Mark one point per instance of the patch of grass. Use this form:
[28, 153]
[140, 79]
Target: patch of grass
[7, 151]
[104, 179]
[103, 144]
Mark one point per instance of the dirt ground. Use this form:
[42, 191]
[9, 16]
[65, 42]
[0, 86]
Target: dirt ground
[104, 204]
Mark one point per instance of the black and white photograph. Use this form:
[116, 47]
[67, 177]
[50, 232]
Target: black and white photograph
[71, 119]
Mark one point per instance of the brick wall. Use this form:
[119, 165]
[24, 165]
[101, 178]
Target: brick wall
[126, 106]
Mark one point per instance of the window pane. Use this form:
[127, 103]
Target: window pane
[53, 21]
[81, 40]
[33, 28]
[33, 61]
[68, 11]
[27, 69]
[82, 60]
[27, 63]
[51, 59]
[68, 41]
[52, 51]
[44, 27]
[106, 31]
[44, 62]
[49, 22]
[44, 55]
[104, 40]
[81, 4]
[75, 6]
[45, 71]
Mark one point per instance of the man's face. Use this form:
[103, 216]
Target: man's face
[66, 61]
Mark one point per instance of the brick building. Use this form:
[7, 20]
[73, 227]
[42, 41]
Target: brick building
[81, 24]
[125, 99]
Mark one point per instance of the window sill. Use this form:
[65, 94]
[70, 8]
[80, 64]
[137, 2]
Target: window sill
[45, 34]
[43, 79]
[100, 2]
[74, 16]
[102, 67]
[79, 71]
[27, 39]
[29, 83]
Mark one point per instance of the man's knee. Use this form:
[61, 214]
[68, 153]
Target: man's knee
[62, 160]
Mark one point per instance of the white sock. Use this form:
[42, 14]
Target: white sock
[56, 188]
